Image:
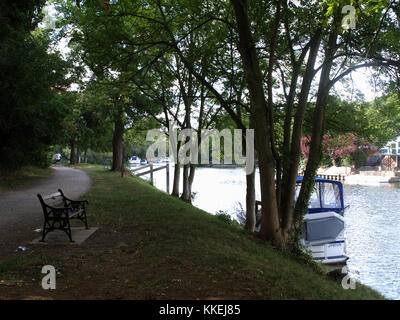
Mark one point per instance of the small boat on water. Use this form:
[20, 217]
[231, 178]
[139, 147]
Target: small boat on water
[324, 224]
[134, 160]
[323, 229]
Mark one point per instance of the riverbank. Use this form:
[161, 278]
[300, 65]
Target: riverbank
[23, 177]
[361, 176]
[363, 179]
[153, 246]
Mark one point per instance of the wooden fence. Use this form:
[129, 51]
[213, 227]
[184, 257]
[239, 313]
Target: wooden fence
[151, 171]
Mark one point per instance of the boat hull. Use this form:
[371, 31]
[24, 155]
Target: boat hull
[323, 237]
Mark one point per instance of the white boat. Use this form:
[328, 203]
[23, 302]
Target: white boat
[134, 160]
[323, 229]
[324, 224]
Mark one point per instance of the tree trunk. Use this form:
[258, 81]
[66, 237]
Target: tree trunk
[187, 96]
[72, 157]
[290, 172]
[191, 178]
[186, 190]
[250, 191]
[270, 225]
[316, 137]
[177, 175]
[117, 145]
[250, 202]
[85, 156]
[188, 177]
[177, 172]
[78, 153]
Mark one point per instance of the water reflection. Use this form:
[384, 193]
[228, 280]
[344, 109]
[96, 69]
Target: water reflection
[372, 221]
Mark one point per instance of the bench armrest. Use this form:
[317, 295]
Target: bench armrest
[72, 201]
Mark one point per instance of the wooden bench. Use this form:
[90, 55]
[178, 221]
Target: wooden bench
[58, 210]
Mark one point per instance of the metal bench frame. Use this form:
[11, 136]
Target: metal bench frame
[58, 217]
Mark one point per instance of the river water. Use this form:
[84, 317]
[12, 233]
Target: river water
[372, 221]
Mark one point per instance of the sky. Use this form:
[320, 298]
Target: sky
[361, 82]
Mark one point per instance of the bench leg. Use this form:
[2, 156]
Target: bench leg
[44, 233]
[68, 231]
[84, 219]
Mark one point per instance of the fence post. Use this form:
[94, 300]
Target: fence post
[167, 168]
[151, 172]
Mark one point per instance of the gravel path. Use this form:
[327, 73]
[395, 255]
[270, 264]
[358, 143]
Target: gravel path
[20, 210]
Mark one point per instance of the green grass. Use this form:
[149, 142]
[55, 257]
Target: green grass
[205, 245]
[22, 177]
[170, 250]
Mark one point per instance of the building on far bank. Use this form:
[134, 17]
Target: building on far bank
[391, 153]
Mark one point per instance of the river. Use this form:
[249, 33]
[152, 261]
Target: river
[372, 221]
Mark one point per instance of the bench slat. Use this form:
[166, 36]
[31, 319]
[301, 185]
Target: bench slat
[73, 214]
[50, 196]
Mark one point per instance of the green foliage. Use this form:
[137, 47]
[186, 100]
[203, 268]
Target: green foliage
[223, 216]
[24, 176]
[226, 218]
[373, 122]
[135, 138]
[358, 158]
[102, 158]
[383, 116]
[88, 121]
[30, 79]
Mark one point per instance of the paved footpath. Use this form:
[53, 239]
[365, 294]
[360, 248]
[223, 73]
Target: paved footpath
[21, 212]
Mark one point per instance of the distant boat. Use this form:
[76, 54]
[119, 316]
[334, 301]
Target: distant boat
[163, 160]
[134, 160]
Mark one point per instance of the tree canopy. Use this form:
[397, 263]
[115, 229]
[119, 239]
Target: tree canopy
[32, 81]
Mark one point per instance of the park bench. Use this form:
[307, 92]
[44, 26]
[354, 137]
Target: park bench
[58, 210]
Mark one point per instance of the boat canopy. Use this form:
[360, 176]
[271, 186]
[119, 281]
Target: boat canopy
[327, 195]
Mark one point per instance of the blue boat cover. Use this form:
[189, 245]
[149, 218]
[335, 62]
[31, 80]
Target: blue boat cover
[327, 195]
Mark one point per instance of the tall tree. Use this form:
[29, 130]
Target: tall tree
[31, 80]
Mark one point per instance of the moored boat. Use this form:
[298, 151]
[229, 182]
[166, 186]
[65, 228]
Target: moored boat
[324, 223]
[323, 229]
[134, 160]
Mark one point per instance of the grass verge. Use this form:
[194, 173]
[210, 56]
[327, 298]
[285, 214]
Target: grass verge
[153, 246]
[22, 177]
